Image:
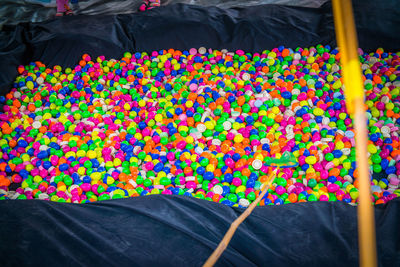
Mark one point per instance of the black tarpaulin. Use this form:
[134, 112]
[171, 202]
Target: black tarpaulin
[182, 231]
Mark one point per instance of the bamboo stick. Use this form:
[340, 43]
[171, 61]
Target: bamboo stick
[354, 92]
[235, 224]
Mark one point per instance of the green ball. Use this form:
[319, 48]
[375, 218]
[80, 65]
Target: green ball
[68, 180]
[241, 195]
[377, 168]
[117, 196]
[233, 198]
[301, 196]
[22, 197]
[17, 160]
[139, 190]
[142, 155]
[281, 181]
[251, 196]
[204, 162]
[104, 197]
[343, 172]
[72, 143]
[312, 198]
[376, 158]
[101, 189]
[165, 181]
[57, 179]
[232, 188]
[329, 157]
[332, 197]
[147, 182]
[312, 183]
[120, 115]
[246, 108]
[164, 140]
[87, 164]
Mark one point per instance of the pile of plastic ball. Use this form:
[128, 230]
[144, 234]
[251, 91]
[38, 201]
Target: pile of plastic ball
[198, 123]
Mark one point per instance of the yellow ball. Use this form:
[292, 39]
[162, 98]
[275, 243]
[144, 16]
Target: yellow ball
[161, 174]
[70, 154]
[260, 157]
[236, 125]
[117, 162]
[194, 158]
[81, 171]
[209, 125]
[138, 136]
[372, 149]
[210, 168]
[62, 188]
[29, 167]
[25, 157]
[158, 118]
[311, 160]
[336, 162]
[127, 106]
[37, 179]
[275, 110]
[189, 139]
[46, 116]
[339, 145]
[81, 153]
[91, 154]
[95, 176]
[238, 138]
[142, 103]
[240, 188]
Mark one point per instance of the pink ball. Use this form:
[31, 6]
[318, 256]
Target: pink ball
[236, 181]
[323, 198]
[85, 187]
[332, 188]
[191, 185]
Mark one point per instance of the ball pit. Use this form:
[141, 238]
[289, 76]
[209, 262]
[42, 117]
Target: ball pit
[198, 123]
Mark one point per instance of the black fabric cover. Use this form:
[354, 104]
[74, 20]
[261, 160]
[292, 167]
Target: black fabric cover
[182, 231]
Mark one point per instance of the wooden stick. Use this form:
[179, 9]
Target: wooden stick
[354, 92]
[235, 224]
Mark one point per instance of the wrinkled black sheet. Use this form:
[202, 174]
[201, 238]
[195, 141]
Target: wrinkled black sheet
[183, 231]
[63, 40]
[16, 11]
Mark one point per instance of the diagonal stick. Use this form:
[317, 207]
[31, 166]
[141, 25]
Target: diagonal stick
[235, 224]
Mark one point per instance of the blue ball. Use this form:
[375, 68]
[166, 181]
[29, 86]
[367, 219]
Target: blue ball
[236, 157]
[228, 177]
[42, 154]
[63, 167]
[208, 176]
[47, 164]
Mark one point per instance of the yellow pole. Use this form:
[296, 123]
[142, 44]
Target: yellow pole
[354, 92]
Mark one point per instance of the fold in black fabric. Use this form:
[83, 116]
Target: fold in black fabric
[62, 41]
[183, 231]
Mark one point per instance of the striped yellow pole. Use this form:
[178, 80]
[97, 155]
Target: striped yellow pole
[354, 92]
